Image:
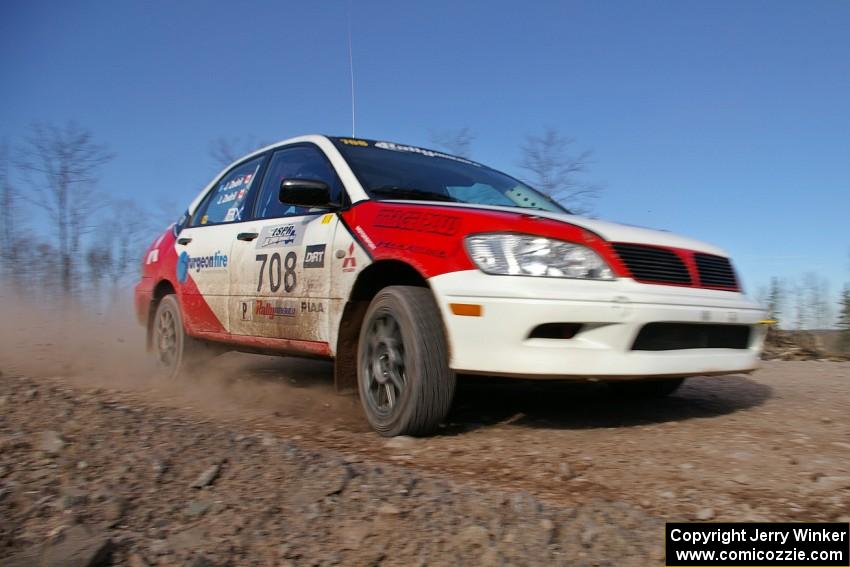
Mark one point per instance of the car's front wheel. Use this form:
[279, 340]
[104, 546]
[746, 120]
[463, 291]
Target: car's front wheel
[176, 352]
[404, 380]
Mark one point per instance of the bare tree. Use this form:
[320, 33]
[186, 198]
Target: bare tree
[801, 315]
[844, 320]
[816, 296]
[7, 197]
[43, 274]
[555, 169]
[824, 313]
[457, 142]
[10, 225]
[113, 256]
[62, 164]
[128, 245]
[224, 151]
[762, 295]
[98, 262]
[775, 299]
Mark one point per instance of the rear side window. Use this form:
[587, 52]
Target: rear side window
[296, 162]
[227, 200]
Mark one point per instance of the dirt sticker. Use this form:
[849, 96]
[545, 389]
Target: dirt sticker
[314, 257]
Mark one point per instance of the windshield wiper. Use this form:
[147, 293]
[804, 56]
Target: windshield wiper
[410, 193]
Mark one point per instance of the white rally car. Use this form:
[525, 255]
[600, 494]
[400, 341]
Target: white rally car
[407, 266]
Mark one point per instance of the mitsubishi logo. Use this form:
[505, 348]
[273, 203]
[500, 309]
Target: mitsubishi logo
[349, 264]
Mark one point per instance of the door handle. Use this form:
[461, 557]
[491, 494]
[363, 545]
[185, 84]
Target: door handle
[247, 236]
[184, 241]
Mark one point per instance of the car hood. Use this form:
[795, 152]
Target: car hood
[611, 231]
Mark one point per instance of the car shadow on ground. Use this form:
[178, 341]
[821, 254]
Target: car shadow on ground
[294, 372]
[487, 401]
[484, 401]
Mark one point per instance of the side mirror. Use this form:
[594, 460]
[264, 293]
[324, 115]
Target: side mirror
[305, 193]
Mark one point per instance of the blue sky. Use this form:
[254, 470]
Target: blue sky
[725, 121]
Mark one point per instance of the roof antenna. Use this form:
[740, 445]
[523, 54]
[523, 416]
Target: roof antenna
[351, 68]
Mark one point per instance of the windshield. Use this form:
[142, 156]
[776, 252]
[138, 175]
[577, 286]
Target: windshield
[389, 171]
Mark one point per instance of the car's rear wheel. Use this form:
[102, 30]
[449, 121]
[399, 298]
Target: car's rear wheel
[655, 388]
[175, 351]
[404, 380]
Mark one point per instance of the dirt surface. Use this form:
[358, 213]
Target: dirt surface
[804, 345]
[522, 473]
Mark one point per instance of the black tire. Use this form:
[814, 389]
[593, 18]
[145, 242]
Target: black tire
[403, 375]
[654, 388]
[176, 353]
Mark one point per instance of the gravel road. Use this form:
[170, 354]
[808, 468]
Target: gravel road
[257, 461]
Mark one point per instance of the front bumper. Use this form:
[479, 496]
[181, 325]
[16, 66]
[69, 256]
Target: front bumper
[612, 314]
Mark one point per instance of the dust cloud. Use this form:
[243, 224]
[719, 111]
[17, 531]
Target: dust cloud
[105, 348]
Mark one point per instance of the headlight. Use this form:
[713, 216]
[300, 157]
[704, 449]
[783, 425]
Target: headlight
[525, 255]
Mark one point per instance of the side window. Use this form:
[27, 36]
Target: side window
[298, 162]
[180, 224]
[226, 202]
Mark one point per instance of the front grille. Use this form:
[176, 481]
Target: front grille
[715, 271]
[650, 264]
[679, 336]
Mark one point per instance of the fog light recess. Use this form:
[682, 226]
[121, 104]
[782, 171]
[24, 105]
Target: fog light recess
[556, 331]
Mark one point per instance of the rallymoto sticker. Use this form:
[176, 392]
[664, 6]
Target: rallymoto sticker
[421, 151]
[275, 310]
